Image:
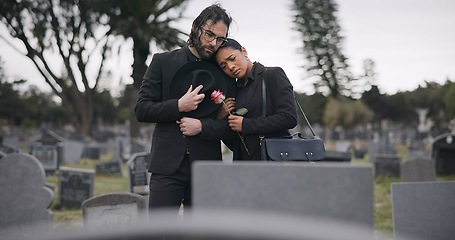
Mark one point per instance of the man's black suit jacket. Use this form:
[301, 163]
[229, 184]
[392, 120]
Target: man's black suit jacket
[155, 106]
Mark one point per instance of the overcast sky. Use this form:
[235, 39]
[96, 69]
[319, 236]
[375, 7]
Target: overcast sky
[409, 40]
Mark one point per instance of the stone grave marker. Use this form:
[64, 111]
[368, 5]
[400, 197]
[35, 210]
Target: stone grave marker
[418, 170]
[336, 191]
[49, 151]
[48, 155]
[92, 152]
[387, 165]
[138, 173]
[113, 210]
[109, 168]
[75, 186]
[72, 151]
[337, 156]
[423, 210]
[443, 153]
[24, 198]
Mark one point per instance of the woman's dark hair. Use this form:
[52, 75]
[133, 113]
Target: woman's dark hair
[213, 13]
[232, 44]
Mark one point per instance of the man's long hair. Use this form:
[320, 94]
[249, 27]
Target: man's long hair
[213, 13]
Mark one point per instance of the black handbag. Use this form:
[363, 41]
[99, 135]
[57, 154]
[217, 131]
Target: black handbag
[291, 148]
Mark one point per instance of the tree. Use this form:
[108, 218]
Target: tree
[316, 21]
[61, 38]
[449, 100]
[145, 22]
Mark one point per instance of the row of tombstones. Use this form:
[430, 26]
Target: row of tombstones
[336, 191]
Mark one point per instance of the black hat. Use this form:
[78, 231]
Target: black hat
[198, 73]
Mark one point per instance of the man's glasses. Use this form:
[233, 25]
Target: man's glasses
[210, 36]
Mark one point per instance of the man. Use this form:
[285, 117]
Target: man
[171, 152]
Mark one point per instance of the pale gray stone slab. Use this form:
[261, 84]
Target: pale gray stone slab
[113, 210]
[424, 210]
[331, 190]
[418, 170]
[24, 198]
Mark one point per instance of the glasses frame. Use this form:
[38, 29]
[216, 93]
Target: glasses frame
[210, 36]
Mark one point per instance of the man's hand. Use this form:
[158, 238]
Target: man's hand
[190, 126]
[191, 99]
[235, 123]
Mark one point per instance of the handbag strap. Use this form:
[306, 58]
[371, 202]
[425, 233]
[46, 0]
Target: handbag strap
[264, 104]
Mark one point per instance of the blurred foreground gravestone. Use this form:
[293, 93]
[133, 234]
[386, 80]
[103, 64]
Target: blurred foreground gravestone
[24, 198]
[443, 153]
[223, 224]
[113, 210]
[328, 190]
[75, 186]
[423, 210]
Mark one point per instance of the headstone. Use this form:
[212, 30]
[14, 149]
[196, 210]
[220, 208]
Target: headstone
[327, 190]
[138, 173]
[109, 168]
[72, 151]
[6, 147]
[387, 165]
[49, 150]
[24, 198]
[443, 153]
[92, 152]
[48, 155]
[113, 210]
[75, 186]
[418, 170]
[336, 156]
[423, 210]
[343, 146]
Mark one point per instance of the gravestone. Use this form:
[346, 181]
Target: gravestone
[24, 198]
[335, 191]
[49, 151]
[387, 165]
[336, 156]
[72, 151]
[92, 152]
[48, 155]
[443, 153]
[6, 147]
[423, 210]
[138, 173]
[113, 210]
[418, 170]
[109, 168]
[75, 186]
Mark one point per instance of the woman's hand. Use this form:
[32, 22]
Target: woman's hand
[228, 106]
[235, 123]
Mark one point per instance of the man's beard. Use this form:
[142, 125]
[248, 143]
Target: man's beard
[201, 50]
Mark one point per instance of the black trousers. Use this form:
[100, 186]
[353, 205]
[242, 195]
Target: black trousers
[170, 191]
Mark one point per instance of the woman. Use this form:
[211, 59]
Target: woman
[280, 104]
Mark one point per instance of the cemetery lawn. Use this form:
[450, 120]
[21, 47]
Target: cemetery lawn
[72, 218]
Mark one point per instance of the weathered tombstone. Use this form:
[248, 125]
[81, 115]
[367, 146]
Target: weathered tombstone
[138, 173]
[443, 153]
[75, 186]
[423, 210]
[92, 152]
[24, 198]
[48, 155]
[72, 151]
[6, 147]
[336, 156]
[49, 151]
[113, 210]
[336, 191]
[387, 165]
[109, 168]
[418, 170]
[343, 145]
